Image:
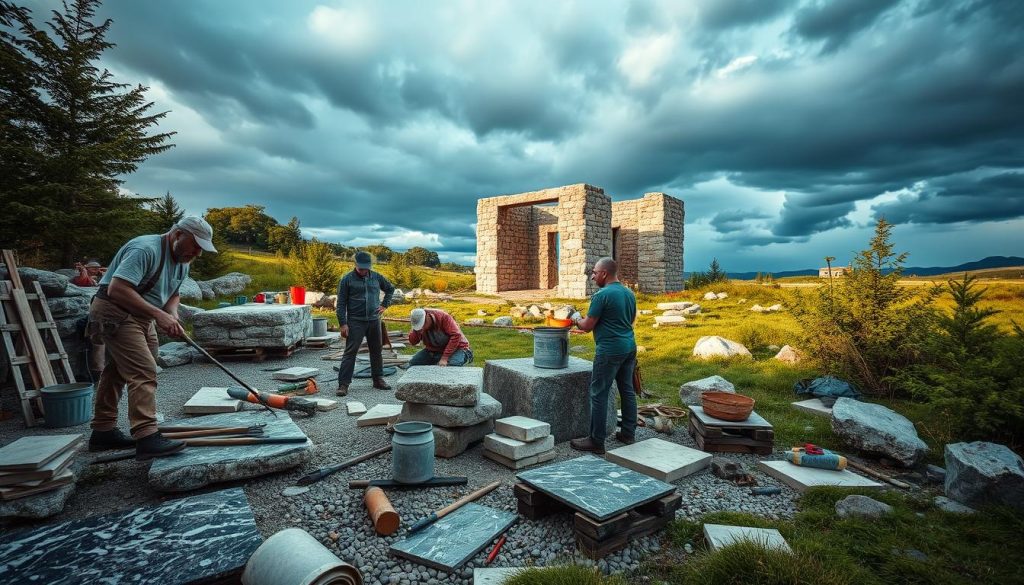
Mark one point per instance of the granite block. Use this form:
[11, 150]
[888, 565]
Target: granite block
[441, 385]
[660, 459]
[453, 416]
[449, 442]
[253, 325]
[522, 428]
[520, 463]
[452, 540]
[513, 449]
[379, 415]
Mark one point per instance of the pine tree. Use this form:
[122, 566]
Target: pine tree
[715, 273]
[86, 133]
[167, 212]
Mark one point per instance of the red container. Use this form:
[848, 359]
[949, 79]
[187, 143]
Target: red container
[259, 298]
[298, 294]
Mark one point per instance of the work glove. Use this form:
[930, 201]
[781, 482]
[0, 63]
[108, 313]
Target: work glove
[575, 317]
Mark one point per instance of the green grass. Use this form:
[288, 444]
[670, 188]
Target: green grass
[562, 575]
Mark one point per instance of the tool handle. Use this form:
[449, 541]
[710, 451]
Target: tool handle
[243, 441]
[494, 551]
[877, 474]
[423, 522]
[324, 472]
[206, 433]
[224, 368]
[467, 499]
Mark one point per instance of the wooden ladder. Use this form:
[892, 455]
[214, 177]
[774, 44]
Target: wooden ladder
[25, 317]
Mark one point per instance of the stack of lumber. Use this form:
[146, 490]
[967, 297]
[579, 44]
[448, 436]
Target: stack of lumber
[33, 465]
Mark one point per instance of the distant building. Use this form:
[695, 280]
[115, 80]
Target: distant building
[837, 271]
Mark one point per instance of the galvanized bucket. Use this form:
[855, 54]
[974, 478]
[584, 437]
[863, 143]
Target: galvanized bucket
[551, 347]
[412, 452]
[319, 326]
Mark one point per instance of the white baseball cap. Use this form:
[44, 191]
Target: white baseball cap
[200, 229]
[418, 318]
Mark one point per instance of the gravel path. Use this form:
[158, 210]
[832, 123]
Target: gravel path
[335, 515]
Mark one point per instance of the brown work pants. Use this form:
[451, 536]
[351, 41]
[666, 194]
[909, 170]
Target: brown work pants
[131, 347]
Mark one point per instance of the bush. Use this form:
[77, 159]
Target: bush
[403, 276]
[714, 275]
[315, 267]
[439, 285]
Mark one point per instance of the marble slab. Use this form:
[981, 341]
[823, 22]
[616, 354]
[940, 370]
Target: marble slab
[379, 415]
[513, 449]
[720, 535]
[296, 374]
[520, 463]
[355, 408]
[494, 576]
[212, 400]
[202, 537]
[801, 478]
[755, 421]
[29, 453]
[813, 406]
[452, 540]
[598, 488]
[660, 459]
[196, 467]
[522, 428]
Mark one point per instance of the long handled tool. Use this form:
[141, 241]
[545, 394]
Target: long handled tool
[435, 516]
[207, 355]
[270, 399]
[325, 471]
[209, 442]
[190, 428]
[234, 431]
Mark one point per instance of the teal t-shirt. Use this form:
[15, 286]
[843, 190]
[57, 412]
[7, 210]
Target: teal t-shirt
[614, 306]
[136, 261]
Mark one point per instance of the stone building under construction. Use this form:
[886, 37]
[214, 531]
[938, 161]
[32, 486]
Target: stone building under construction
[550, 239]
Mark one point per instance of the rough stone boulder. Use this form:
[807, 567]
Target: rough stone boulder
[503, 321]
[518, 311]
[692, 310]
[176, 353]
[61, 307]
[774, 308]
[757, 308]
[727, 469]
[188, 312]
[253, 325]
[230, 284]
[68, 272]
[674, 306]
[452, 416]
[722, 295]
[788, 355]
[441, 385]
[190, 290]
[327, 302]
[861, 507]
[710, 346]
[689, 393]
[398, 297]
[475, 321]
[452, 441]
[207, 290]
[877, 429]
[981, 473]
[53, 284]
[710, 296]
[312, 297]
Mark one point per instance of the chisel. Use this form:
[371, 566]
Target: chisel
[435, 516]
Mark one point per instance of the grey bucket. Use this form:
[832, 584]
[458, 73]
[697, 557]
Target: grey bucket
[319, 326]
[551, 347]
[412, 452]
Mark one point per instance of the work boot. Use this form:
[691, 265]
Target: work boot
[624, 438]
[112, 439]
[587, 444]
[156, 445]
[381, 384]
[342, 390]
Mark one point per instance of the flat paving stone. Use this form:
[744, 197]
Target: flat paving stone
[754, 421]
[520, 463]
[813, 406]
[355, 408]
[660, 459]
[513, 449]
[720, 535]
[296, 374]
[495, 576]
[323, 404]
[30, 453]
[211, 400]
[522, 428]
[598, 488]
[379, 415]
[801, 478]
[452, 540]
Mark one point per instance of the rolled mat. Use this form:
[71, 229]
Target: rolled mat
[293, 557]
[827, 460]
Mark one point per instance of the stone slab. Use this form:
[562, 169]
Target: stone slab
[31, 488]
[523, 463]
[452, 540]
[487, 408]
[514, 449]
[211, 400]
[441, 385]
[30, 453]
[253, 325]
[801, 478]
[560, 398]
[379, 415]
[755, 421]
[449, 442]
[496, 576]
[813, 406]
[199, 538]
[355, 408]
[719, 535]
[660, 459]
[296, 374]
[38, 506]
[598, 488]
[522, 428]
[196, 467]
[50, 469]
[323, 404]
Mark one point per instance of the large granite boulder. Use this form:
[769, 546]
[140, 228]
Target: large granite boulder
[53, 284]
[326, 302]
[73, 290]
[982, 473]
[188, 312]
[230, 284]
[710, 346]
[449, 442]
[560, 398]
[689, 393]
[176, 353]
[441, 385]
[877, 429]
[61, 307]
[196, 467]
[190, 291]
[452, 416]
[206, 289]
[253, 325]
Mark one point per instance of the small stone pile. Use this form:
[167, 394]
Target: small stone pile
[452, 400]
[519, 441]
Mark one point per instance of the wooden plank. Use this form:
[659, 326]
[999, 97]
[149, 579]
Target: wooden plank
[12, 269]
[25, 396]
[540, 511]
[667, 505]
[36, 347]
[598, 530]
[51, 329]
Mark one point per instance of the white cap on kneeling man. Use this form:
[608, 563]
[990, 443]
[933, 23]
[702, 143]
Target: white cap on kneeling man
[418, 318]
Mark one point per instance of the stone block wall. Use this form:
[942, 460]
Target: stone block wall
[625, 220]
[660, 252]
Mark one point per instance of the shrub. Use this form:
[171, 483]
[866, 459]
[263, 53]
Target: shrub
[564, 575]
[315, 267]
[750, 563]
[714, 275]
[439, 285]
[403, 276]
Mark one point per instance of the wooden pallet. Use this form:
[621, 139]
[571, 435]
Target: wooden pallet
[726, 439]
[597, 539]
[253, 354]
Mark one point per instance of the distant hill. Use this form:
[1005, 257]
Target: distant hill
[983, 264]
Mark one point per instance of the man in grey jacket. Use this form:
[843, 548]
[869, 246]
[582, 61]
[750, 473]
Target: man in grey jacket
[359, 308]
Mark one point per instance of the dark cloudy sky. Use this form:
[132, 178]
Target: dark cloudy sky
[787, 127]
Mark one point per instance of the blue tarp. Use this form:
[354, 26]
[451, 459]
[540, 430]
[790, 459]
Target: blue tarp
[827, 388]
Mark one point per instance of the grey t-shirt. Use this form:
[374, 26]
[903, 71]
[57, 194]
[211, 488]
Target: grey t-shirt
[136, 262]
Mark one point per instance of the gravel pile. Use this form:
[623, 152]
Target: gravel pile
[335, 515]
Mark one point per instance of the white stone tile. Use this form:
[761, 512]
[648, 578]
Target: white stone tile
[29, 453]
[495, 576]
[379, 415]
[514, 449]
[801, 478]
[719, 535]
[296, 374]
[522, 428]
[813, 406]
[660, 459]
[355, 408]
[323, 404]
[212, 400]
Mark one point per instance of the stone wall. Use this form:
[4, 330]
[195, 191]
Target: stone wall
[625, 222]
[546, 221]
[660, 253]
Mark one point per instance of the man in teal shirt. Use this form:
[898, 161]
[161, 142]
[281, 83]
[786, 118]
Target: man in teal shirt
[610, 316]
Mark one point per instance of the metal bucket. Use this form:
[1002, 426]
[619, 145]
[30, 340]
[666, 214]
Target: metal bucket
[412, 452]
[319, 327]
[551, 347]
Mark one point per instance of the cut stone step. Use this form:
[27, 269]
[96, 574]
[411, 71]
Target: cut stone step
[520, 463]
[212, 400]
[513, 449]
[720, 535]
[355, 408]
[296, 374]
[522, 428]
[801, 478]
[379, 415]
[660, 459]
[813, 406]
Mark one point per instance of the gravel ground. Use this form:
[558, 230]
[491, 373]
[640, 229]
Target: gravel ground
[335, 515]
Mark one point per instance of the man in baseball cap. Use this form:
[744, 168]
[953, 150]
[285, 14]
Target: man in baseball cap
[200, 230]
[359, 308]
[444, 344]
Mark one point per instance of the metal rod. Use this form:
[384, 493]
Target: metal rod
[251, 390]
[325, 471]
